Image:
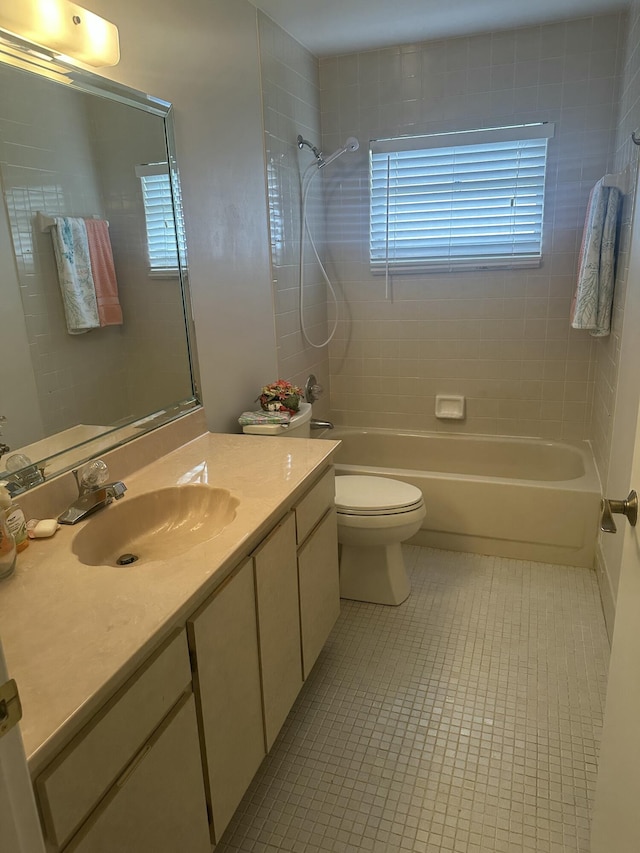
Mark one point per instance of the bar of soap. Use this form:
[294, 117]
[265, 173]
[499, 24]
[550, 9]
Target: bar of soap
[43, 529]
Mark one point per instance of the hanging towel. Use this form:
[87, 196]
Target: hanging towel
[593, 299]
[71, 249]
[104, 272]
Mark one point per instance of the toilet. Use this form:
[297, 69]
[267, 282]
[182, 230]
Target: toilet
[375, 515]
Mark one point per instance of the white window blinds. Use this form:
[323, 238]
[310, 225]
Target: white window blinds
[465, 200]
[162, 233]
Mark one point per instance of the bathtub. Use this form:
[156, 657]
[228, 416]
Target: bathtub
[523, 498]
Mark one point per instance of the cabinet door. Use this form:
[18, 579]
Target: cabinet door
[224, 643]
[278, 625]
[77, 779]
[319, 588]
[158, 804]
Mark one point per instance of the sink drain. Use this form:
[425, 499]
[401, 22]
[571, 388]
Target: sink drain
[126, 559]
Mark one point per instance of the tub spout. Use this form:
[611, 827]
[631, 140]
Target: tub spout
[316, 424]
[607, 524]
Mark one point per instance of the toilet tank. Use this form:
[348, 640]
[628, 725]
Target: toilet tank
[299, 425]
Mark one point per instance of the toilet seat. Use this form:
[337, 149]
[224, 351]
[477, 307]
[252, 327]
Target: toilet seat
[367, 496]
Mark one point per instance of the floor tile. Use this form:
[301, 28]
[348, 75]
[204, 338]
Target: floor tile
[466, 720]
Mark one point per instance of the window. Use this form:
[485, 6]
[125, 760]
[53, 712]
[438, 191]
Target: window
[450, 201]
[162, 234]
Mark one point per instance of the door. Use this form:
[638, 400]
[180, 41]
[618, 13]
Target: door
[616, 817]
[19, 824]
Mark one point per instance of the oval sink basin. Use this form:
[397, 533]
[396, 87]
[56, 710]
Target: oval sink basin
[155, 525]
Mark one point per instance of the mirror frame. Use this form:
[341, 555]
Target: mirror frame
[21, 55]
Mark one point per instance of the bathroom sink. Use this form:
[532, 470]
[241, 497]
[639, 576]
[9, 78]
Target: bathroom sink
[154, 526]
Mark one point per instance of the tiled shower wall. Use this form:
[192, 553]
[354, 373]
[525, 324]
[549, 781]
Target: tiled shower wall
[291, 104]
[500, 338]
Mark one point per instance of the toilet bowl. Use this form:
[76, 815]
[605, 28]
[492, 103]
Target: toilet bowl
[375, 515]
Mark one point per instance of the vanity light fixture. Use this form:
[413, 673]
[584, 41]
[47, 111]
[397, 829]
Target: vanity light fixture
[63, 28]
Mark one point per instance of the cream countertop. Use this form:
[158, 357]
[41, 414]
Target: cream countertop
[73, 633]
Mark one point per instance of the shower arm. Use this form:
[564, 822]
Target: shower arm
[301, 144]
[351, 144]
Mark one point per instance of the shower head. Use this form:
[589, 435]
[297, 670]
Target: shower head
[351, 144]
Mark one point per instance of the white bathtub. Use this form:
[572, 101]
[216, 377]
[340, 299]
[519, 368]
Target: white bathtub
[523, 498]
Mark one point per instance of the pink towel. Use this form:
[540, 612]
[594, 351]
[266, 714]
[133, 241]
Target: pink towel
[104, 273]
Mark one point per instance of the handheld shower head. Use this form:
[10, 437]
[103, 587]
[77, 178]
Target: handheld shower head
[351, 144]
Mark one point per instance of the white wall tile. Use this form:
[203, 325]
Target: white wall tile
[565, 73]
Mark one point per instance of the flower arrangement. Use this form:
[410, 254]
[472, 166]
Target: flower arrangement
[281, 396]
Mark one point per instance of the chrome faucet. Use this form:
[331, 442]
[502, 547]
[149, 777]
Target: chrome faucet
[93, 492]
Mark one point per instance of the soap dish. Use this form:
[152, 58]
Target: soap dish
[450, 407]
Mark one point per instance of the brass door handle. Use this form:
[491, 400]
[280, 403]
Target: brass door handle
[629, 508]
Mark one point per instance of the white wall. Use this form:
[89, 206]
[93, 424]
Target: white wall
[291, 98]
[202, 55]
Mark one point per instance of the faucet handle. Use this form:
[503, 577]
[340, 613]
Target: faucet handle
[93, 474]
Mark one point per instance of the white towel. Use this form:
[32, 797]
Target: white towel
[262, 417]
[593, 299]
[71, 249]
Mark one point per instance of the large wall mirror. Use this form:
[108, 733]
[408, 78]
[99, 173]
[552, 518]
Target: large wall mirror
[75, 145]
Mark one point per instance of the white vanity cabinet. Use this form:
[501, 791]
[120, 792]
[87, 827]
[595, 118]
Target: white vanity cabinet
[107, 789]
[158, 806]
[319, 588]
[276, 578]
[318, 577]
[226, 680]
[297, 598]
[163, 765]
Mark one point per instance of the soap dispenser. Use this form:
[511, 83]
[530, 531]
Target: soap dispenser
[7, 542]
[14, 516]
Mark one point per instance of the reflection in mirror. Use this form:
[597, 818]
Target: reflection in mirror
[87, 155]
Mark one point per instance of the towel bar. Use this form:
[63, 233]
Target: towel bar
[620, 180]
[45, 223]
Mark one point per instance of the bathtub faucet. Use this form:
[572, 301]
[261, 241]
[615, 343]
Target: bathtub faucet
[316, 424]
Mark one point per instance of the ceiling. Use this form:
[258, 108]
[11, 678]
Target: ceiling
[328, 27]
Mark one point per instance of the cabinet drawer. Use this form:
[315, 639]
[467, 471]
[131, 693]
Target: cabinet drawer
[158, 804]
[319, 583]
[314, 505]
[71, 786]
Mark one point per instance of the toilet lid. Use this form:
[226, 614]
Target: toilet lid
[375, 495]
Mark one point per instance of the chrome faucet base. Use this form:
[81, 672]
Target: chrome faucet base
[91, 496]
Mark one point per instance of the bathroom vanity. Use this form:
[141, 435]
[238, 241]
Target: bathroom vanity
[152, 692]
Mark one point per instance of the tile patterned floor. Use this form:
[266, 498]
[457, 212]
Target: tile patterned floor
[464, 721]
